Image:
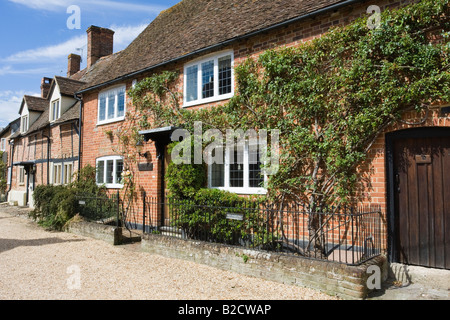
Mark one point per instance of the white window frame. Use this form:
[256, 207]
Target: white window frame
[245, 189]
[3, 144]
[52, 110]
[67, 174]
[24, 124]
[198, 63]
[106, 93]
[21, 175]
[116, 184]
[57, 177]
[8, 178]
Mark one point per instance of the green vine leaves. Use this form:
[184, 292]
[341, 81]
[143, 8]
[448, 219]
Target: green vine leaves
[330, 98]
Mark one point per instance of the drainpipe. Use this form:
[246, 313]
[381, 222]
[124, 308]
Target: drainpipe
[28, 184]
[48, 156]
[80, 99]
[11, 148]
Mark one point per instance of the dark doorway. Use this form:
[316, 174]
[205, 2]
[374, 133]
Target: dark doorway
[418, 165]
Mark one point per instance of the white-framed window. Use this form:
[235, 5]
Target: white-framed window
[3, 144]
[62, 173]
[24, 124]
[55, 110]
[240, 172]
[21, 176]
[68, 172]
[209, 79]
[111, 105]
[8, 178]
[109, 171]
[57, 174]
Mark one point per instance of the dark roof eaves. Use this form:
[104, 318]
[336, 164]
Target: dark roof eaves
[223, 43]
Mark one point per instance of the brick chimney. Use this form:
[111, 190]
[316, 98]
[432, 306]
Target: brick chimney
[100, 44]
[45, 87]
[74, 63]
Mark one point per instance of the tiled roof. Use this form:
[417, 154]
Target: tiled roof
[194, 25]
[36, 103]
[40, 123]
[72, 114]
[68, 86]
[97, 70]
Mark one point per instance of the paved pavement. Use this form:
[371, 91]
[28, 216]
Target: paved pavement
[36, 264]
[413, 283]
[412, 291]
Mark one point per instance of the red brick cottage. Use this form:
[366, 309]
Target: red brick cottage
[203, 40]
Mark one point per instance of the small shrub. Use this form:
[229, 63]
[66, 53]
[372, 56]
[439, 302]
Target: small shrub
[56, 205]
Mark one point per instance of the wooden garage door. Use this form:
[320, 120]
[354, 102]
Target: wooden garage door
[422, 201]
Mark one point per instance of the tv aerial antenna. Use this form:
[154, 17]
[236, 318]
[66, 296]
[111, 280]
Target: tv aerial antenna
[82, 50]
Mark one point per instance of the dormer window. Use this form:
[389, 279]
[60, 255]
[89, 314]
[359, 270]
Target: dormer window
[24, 124]
[55, 110]
[3, 144]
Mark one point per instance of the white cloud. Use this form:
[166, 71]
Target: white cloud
[49, 5]
[123, 36]
[89, 5]
[10, 103]
[8, 70]
[48, 53]
[46, 61]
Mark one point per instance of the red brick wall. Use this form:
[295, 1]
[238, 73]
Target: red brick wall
[97, 144]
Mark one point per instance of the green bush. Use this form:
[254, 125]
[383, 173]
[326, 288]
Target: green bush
[56, 205]
[184, 180]
[202, 213]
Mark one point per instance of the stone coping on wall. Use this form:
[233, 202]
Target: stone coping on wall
[109, 234]
[336, 279]
[333, 278]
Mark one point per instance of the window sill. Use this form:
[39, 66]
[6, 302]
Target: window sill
[243, 191]
[208, 100]
[111, 186]
[101, 123]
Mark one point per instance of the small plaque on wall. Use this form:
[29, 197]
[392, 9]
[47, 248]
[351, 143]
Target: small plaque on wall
[421, 159]
[145, 166]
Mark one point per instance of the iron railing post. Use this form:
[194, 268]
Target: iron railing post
[143, 211]
[118, 208]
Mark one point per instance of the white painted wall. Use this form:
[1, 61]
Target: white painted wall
[19, 196]
[64, 102]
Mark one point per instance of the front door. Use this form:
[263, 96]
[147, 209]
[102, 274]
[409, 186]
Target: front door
[421, 174]
[30, 189]
[167, 159]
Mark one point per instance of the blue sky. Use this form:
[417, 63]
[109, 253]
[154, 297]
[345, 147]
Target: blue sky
[36, 39]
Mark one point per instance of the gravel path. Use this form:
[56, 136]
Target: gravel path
[40, 265]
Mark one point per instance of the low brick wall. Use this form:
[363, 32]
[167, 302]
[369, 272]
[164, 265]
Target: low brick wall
[347, 282]
[109, 234]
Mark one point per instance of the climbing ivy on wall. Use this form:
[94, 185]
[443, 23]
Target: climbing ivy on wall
[330, 98]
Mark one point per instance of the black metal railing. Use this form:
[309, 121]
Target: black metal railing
[104, 208]
[346, 235]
